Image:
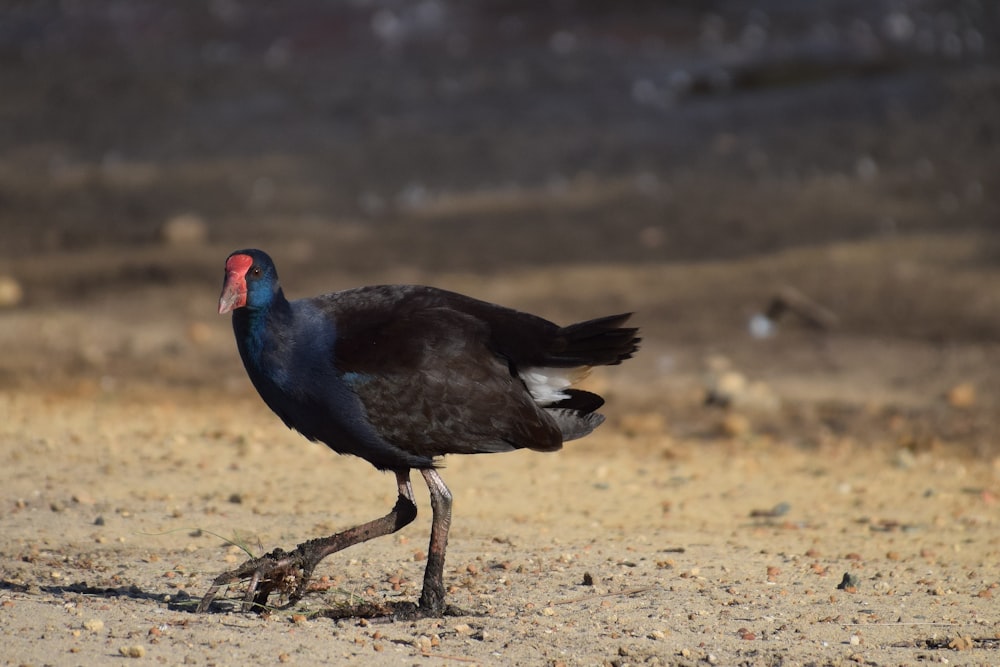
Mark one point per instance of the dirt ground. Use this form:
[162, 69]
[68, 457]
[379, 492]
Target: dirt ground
[737, 481]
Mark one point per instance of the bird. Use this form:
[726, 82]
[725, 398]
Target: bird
[400, 376]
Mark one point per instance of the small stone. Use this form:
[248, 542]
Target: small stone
[463, 629]
[961, 643]
[735, 425]
[904, 458]
[11, 293]
[866, 168]
[93, 624]
[132, 651]
[849, 583]
[731, 384]
[184, 229]
[199, 333]
[643, 423]
[779, 510]
[962, 396]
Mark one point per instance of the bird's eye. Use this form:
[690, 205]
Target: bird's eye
[255, 272]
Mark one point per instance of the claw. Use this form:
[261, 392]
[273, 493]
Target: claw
[290, 573]
[276, 571]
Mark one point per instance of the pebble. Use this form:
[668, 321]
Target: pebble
[199, 333]
[93, 624]
[132, 651]
[849, 583]
[726, 387]
[961, 643]
[643, 423]
[735, 425]
[904, 459]
[11, 292]
[184, 229]
[962, 396]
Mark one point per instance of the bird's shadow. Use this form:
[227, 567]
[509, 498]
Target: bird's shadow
[385, 612]
[181, 601]
[175, 600]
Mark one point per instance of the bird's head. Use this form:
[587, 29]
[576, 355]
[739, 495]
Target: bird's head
[251, 281]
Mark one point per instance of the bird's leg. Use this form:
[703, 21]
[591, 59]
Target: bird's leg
[432, 596]
[281, 570]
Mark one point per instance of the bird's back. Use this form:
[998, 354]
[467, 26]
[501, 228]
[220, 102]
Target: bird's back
[400, 374]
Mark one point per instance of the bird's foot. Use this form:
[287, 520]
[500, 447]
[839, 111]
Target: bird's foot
[289, 572]
[280, 571]
[432, 601]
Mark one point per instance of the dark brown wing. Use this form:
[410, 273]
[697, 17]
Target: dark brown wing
[429, 377]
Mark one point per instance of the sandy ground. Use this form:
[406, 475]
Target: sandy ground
[686, 161]
[114, 508]
[706, 534]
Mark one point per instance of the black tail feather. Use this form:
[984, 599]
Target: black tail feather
[579, 400]
[599, 342]
[573, 424]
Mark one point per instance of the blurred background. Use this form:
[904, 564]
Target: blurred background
[830, 164]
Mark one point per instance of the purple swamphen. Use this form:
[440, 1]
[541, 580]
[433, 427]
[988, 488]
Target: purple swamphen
[401, 375]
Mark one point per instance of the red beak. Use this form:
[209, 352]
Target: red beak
[234, 293]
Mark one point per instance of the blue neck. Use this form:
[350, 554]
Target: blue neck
[254, 327]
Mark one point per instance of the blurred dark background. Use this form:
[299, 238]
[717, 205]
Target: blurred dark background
[518, 131]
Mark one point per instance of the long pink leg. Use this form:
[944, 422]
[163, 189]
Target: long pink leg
[432, 596]
[271, 571]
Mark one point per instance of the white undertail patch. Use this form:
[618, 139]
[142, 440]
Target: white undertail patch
[548, 385]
